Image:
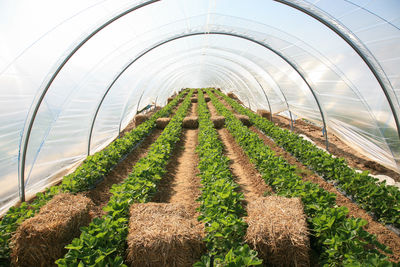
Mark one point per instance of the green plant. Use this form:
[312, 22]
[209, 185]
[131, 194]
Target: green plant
[376, 197]
[338, 239]
[103, 240]
[220, 207]
[92, 170]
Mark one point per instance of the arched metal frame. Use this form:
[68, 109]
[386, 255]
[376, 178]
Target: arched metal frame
[160, 69]
[363, 52]
[129, 64]
[216, 33]
[30, 120]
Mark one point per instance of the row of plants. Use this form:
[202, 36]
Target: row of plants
[382, 200]
[103, 242]
[339, 239]
[90, 172]
[221, 209]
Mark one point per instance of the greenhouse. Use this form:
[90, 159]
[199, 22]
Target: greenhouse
[205, 133]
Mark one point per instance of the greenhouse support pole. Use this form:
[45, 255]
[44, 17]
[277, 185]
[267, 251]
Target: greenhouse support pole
[265, 94]
[31, 119]
[138, 103]
[351, 39]
[291, 120]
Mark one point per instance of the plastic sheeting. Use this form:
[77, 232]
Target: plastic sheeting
[134, 53]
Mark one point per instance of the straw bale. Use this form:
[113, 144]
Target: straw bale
[194, 99]
[140, 118]
[207, 98]
[244, 119]
[278, 231]
[191, 122]
[264, 113]
[161, 123]
[219, 121]
[163, 234]
[40, 240]
[170, 99]
[232, 95]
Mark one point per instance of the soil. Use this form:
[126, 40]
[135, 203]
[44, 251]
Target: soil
[384, 235]
[246, 176]
[100, 195]
[249, 179]
[181, 184]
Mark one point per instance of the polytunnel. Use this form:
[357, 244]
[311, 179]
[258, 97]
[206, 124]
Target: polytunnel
[73, 74]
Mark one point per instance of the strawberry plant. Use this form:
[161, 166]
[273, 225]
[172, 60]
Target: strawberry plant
[220, 207]
[376, 197]
[340, 240]
[102, 243]
[87, 175]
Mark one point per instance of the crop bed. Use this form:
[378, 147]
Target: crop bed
[206, 178]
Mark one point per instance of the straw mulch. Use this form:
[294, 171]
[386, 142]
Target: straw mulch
[163, 234]
[263, 113]
[219, 121]
[278, 231]
[191, 122]
[194, 99]
[161, 123]
[40, 240]
[244, 119]
[139, 119]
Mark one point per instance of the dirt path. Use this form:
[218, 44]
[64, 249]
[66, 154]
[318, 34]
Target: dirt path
[181, 184]
[246, 176]
[100, 195]
[384, 235]
[249, 179]
[212, 109]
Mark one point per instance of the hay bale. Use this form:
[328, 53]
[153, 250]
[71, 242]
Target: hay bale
[194, 99]
[207, 98]
[190, 122]
[161, 123]
[244, 119]
[232, 95]
[170, 99]
[163, 234]
[278, 231]
[40, 240]
[219, 121]
[139, 119]
[264, 113]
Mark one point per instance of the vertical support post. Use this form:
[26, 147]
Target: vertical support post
[138, 103]
[291, 120]
[265, 94]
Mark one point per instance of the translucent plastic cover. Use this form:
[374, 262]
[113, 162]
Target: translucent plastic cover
[74, 73]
